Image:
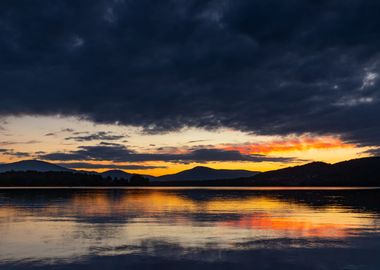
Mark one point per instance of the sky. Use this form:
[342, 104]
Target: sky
[156, 87]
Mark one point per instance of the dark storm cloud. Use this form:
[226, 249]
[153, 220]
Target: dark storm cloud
[266, 66]
[101, 135]
[85, 165]
[119, 153]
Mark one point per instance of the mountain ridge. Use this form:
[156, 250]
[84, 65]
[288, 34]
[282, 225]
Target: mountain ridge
[120, 174]
[198, 173]
[202, 173]
[359, 171]
[33, 165]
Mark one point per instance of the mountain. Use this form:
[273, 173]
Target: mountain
[33, 165]
[116, 174]
[119, 174]
[355, 172]
[294, 175]
[204, 173]
[36, 173]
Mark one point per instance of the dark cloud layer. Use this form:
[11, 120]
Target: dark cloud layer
[271, 67]
[119, 153]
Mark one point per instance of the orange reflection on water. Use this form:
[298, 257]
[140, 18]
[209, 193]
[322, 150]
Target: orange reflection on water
[289, 226]
[143, 202]
[261, 213]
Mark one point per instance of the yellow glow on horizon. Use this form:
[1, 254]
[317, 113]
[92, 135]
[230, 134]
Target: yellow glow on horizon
[29, 134]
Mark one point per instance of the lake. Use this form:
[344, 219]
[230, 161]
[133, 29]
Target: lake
[190, 228]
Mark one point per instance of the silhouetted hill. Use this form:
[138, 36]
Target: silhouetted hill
[356, 172]
[294, 175]
[204, 173]
[33, 165]
[119, 174]
[37, 173]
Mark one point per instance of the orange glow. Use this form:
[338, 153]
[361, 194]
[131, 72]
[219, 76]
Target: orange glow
[288, 145]
[290, 226]
[143, 201]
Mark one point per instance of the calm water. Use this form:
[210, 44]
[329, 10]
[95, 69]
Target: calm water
[189, 229]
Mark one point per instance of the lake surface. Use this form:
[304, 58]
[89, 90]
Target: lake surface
[163, 228]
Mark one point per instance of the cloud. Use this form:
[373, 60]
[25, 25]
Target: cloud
[13, 153]
[373, 151]
[86, 165]
[18, 142]
[98, 136]
[65, 130]
[196, 141]
[2, 123]
[268, 67]
[119, 153]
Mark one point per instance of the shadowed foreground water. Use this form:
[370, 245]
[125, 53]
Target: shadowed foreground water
[189, 229]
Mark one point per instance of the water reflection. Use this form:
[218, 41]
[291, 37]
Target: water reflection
[66, 227]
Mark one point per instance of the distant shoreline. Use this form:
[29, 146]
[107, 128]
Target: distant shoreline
[362, 172]
[198, 187]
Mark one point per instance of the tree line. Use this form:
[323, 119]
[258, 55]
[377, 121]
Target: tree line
[65, 179]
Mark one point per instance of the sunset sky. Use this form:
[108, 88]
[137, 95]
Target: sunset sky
[158, 87]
